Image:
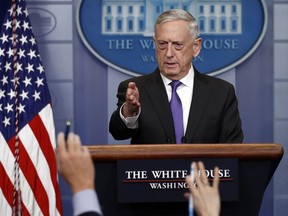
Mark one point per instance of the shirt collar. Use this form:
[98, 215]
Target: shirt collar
[187, 80]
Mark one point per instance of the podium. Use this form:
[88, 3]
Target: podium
[256, 166]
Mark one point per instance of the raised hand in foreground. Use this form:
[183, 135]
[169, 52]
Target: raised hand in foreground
[206, 197]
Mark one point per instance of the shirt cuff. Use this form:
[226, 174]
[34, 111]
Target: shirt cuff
[86, 201]
[130, 122]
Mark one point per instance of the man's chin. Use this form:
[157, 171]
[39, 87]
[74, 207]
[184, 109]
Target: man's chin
[171, 74]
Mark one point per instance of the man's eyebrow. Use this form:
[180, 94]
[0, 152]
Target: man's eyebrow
[170, 41]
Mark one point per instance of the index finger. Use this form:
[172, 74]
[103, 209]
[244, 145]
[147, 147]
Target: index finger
[132, 85]
[216, 177]
[61, 142]
[203, 176]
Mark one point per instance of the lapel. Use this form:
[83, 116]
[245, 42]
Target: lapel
[155, 89]
[199, 101]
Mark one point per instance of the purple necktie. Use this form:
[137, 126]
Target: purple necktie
[177, 112]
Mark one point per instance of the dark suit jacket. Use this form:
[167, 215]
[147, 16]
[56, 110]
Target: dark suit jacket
[213, 118]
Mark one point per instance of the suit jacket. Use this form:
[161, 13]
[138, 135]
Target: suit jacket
[213, 118]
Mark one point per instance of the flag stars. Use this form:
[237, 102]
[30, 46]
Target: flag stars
[4, 38]
[27, 81]
[10, 52]
[8, 24]
[23, 40]
[40, 68]
[9, 108]
[2, 52]
[36, 95]
[32, 40]
[21, 108]
[19, 90]
[32, 54]
[7, 66]
[6, 121]
[15, 80]
[19, 67]
[17, 24]
[10, 11]
[21, 53]
[30, 68]
[12, 94]
[24, 95]
[13, 38]
[2, 93]
[19, 10]
[4, 80]
[25, 12]
[25, 26]
[39, 82]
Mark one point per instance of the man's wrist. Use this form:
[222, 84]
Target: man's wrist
[127, 112]
[76, 189]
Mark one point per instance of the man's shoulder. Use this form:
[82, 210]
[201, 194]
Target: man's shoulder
[211, 80]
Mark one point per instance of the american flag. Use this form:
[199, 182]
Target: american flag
[28, 173]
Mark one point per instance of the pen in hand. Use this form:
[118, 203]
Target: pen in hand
[191, 210]
[67, 130]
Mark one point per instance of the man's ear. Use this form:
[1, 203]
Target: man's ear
[197, 47]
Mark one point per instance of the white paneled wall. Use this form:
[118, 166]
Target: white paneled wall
[281, 103]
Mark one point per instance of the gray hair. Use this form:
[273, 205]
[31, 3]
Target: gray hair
[179, 14]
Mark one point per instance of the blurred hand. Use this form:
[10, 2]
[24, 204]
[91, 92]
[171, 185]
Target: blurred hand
[132, 104]
[206, 198]
[75, 163]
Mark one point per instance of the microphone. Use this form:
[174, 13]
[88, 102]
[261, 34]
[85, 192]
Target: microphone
[183, 140]
[169, 140]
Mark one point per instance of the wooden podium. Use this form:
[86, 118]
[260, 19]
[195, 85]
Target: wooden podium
[256, 166]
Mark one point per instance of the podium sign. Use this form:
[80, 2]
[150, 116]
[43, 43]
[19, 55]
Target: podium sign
[255, 166]
[163, 180]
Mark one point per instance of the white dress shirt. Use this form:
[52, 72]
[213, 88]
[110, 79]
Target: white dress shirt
[184, 91]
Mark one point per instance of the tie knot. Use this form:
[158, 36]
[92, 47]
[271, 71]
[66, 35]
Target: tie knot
[175, 84]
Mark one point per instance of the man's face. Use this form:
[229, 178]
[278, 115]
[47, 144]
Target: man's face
[175, 48]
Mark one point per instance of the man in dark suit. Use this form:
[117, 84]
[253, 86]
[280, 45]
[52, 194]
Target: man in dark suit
[210, 107]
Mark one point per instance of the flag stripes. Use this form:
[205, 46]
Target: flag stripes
[34, 163]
